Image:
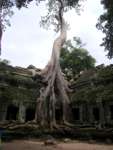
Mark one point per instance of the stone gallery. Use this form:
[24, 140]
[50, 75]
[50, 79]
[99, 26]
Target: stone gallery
[91, 100]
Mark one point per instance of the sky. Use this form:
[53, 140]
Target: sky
[25, 42]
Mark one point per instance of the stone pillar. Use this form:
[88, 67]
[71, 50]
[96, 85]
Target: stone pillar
[3, 112]
[86, 115]
[108, 114]
[90, 113]
[3, 115]
[22, 111]
[102, 115]
[81, 113]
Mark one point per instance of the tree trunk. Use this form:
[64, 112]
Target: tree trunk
[0, 30]
[57, 87]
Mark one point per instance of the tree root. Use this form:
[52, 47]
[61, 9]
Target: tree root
[68, 124]
[56, 88]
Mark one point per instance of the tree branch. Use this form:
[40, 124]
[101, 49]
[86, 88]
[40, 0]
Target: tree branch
[0, 31]
[61, 8]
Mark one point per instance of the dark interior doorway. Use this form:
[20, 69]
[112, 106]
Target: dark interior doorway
[111, 112]
[96, 114]
[30, 114]
[58, 115]
[12, 113]
[76, 113]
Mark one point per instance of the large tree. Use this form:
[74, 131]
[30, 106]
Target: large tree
[56, 87]
[105, 24]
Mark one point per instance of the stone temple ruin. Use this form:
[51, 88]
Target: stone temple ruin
[91, 101]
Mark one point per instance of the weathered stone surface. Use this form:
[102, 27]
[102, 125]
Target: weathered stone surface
[91, 89]
[49, 141]
[66, 140]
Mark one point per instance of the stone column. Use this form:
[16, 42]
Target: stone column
[102, 116]
[22, 111]
[3, 112]
[81, 113]
[90, 113]
[107, 113]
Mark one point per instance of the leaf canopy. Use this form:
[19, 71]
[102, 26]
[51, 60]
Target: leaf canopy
[52, 7]
[74, 58]
[105, 24]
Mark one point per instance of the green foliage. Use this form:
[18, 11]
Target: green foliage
[105, 75]
[51, 3]
[75, 59]
[5, 12]
[15, 86]
[5, 61]
[52, 9]
[11, 93]
[94, 94]
[18, 80]
[105, 24]
[100, 90]
[4, 4]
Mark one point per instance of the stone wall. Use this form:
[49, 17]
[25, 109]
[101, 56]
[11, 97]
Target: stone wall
[93, 95]
[18, 93]
[91, 100]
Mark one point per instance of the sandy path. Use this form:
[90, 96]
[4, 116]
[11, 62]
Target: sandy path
[35, 145]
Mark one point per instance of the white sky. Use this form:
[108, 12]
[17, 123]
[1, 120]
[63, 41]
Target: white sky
[25, 43]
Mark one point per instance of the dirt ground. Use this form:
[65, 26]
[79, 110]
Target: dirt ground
[37, 145]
